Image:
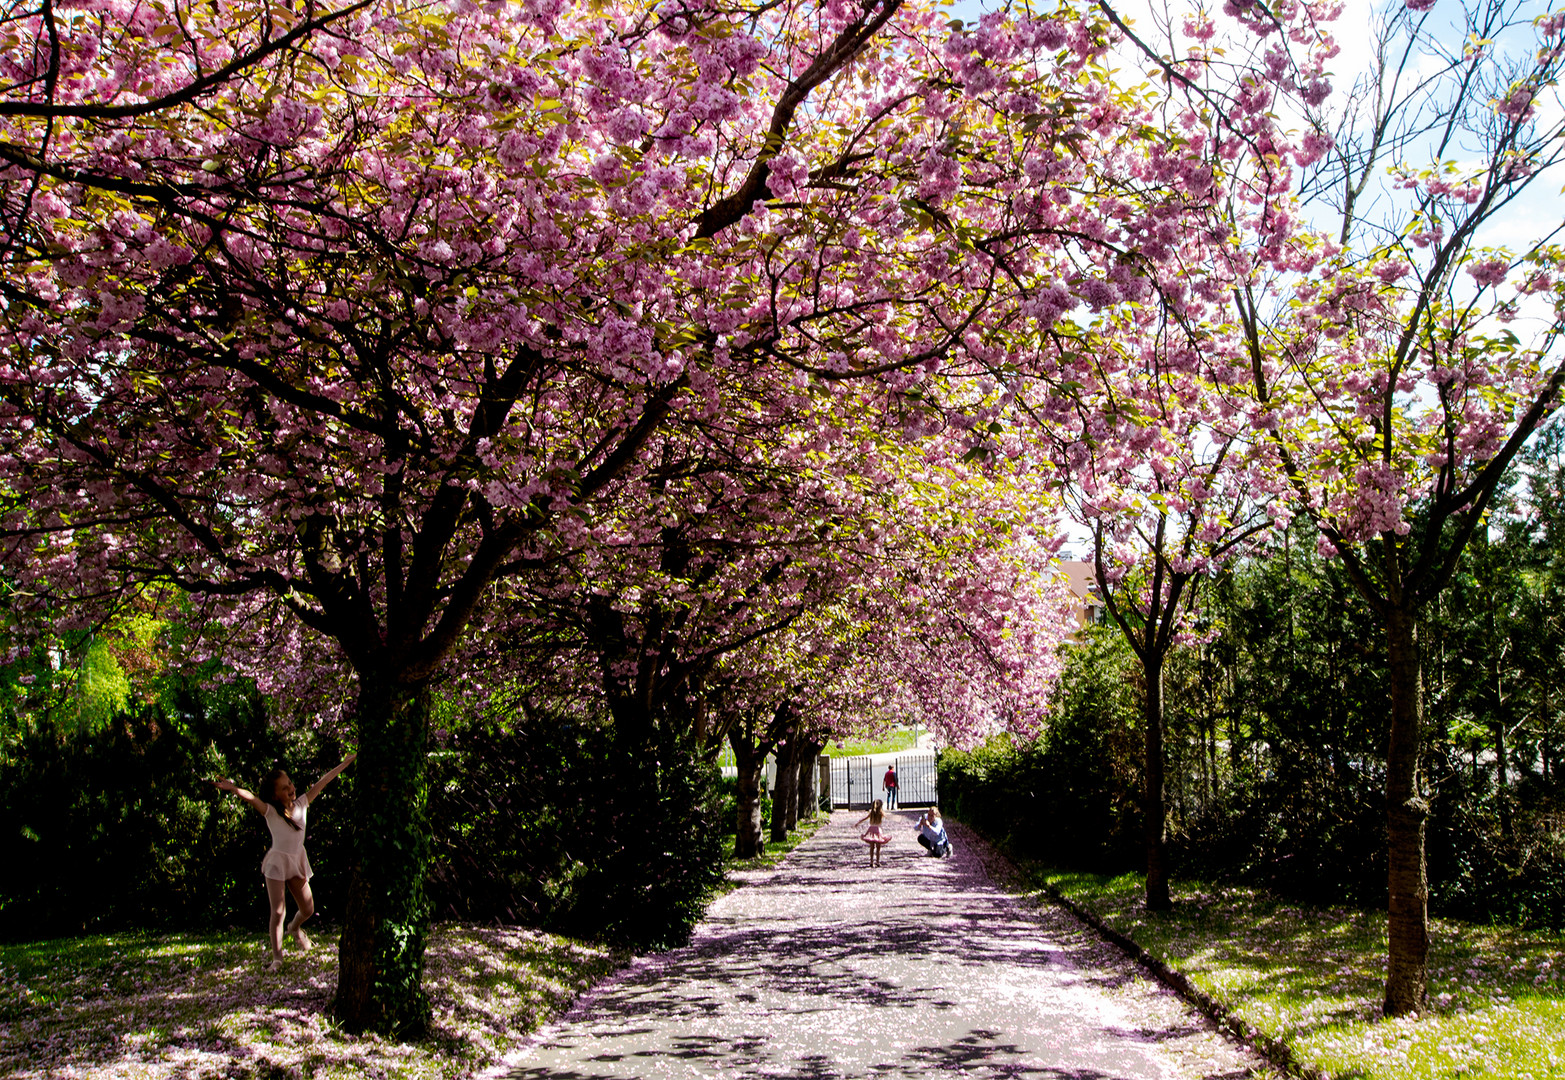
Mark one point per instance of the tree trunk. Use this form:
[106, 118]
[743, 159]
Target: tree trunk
[1153, 811]
[788, 804]
[386, 918]
[1406, 814]
[785, 798]
[809, 776]
[747, 830]
[1502, 778]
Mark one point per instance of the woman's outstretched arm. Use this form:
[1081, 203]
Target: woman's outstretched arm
[250, 797]
[320, 785]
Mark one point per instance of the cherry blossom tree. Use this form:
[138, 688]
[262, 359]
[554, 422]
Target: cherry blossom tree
[335, 318]
[956, 624]
[1406, 363]
[821, 603]
[1396, 351]
[1166, 505]
[1159, 461]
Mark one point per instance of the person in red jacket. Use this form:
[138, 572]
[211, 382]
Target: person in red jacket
[889, 782]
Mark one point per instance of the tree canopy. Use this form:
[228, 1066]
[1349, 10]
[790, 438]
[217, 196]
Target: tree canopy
[668, 343]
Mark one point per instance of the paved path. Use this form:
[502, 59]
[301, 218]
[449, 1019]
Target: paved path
[824, 967]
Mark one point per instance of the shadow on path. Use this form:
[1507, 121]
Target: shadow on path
[826, 967]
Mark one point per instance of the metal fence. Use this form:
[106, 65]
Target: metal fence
[856, 782]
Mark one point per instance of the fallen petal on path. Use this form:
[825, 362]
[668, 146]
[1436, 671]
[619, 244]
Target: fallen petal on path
[827, 967]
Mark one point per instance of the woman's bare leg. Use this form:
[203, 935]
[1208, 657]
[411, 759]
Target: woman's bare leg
[302, 896]
[277, 897]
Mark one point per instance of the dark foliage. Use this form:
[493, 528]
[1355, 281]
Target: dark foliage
[559, 823]
[548, 823]
[116, 827]
[1279, 769]
[1483, 873]
[1276, 726]
[662, 850]
[1070, 797]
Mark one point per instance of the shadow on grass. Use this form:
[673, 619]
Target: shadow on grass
[204, 1004]
[1313, 978]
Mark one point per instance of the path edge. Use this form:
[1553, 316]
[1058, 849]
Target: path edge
[587, 998]
[1278, 1054]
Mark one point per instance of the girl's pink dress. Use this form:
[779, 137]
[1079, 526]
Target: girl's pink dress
[873, 835]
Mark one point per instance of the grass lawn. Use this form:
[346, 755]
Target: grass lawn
[772, 853]
[203, 1004]
[890, 743]
[1313, 978]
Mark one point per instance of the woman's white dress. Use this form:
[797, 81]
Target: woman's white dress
[287, 858]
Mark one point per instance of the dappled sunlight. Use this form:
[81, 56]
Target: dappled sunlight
[1315, 977]
[205, 1006]
[829, 967]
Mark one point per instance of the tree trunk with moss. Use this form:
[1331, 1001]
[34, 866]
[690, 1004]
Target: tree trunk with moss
[1407, 814]
[386, 922]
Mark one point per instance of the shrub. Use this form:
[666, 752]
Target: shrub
[114, 826]
[562, 823]
[546, 821]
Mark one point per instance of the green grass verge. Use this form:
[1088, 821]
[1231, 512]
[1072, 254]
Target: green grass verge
[1313, 978]
[203, 1004]
[772, 853]
[892, 742]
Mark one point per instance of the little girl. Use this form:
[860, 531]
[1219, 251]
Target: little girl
[286, 866]
[872, 835]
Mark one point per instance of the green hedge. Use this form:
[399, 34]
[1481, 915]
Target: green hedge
[559, 823]
[549, 823]
[115, 827]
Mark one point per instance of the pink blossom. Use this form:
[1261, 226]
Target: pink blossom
[1392, 270]
[1489, 273]
[626, 125]
[1518, 104]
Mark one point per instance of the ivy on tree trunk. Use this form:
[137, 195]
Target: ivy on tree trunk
[387, 919]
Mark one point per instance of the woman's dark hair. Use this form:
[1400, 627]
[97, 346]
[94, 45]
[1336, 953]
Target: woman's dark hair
[269, 794]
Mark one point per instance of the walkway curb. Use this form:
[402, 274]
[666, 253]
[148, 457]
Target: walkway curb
[1276, 1052]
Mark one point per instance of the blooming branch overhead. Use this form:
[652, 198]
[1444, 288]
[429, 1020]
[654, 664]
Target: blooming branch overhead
[336, 318]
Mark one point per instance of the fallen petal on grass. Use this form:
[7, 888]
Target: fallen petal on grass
[1313, 978]
[193, 1004]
